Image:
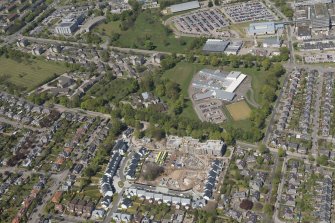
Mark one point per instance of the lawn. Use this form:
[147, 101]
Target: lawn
[148, 26]
[29, 74]
[183, 74]
[256, 82]
[239, 110]
[243, 124]
[240, 28]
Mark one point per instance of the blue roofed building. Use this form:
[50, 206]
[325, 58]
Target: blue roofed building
[264, 28]
[184, 6]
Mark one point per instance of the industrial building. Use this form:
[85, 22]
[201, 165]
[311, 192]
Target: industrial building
[311, 2]
[233, 48]
[215, 46]
[275, 42]
[69, 24]
[314, 19]
[320, 19]
[216, 84]
[264, 28]
[184, 6]
[303, 32]
[221, 46]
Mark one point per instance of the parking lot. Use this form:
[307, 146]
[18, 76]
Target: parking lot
[248, 12]
[211, 111]
[203, 22]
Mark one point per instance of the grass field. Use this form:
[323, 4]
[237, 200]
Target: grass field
[148, 25]
[29, 74]
[239, 110]
[183, 74]
[240, 28]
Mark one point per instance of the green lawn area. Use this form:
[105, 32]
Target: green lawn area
[148, 25]
[182, 74]
[257, 79]
[29, 73]
[240, 28]
[243, 124]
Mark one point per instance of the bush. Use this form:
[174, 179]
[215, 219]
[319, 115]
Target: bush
[246, 204]
[151, 171]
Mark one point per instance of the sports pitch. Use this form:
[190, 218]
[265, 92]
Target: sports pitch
[239, 110]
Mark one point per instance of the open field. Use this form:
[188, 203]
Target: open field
[148, 27]
[182, 74]
[239, 110]
[29, 74]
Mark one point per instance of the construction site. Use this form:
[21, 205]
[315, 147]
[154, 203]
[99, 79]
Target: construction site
[181, 171]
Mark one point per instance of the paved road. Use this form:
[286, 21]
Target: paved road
[61, 108]
[316, 115]
[271, 124]
[114, 204]
[18, 169]
[123, 165]
[18, 124]
[57, 180]
[272, 175]
[226, 167]
[279, 193]
[120, 49]
[251, 100]
[67, 218]
[272, 149]
[277, 11]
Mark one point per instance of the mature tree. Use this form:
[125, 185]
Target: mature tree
[266, 63]
[281, 152]
[214, 60]
[322, 160]
[263, 149]
[246, 204]
[268, 209]
[151, 171]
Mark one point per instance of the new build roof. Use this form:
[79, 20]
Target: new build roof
[184, 6]
[232, 87]
[218, 94]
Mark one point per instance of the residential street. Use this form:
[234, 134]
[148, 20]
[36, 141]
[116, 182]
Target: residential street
[316, 115]
[57, 179]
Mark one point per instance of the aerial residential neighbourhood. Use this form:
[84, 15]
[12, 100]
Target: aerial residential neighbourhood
[167, 111]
